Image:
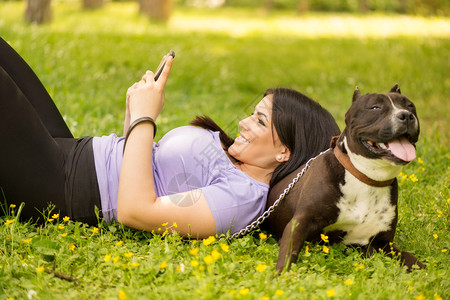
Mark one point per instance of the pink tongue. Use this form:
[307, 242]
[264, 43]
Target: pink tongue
[402, 149]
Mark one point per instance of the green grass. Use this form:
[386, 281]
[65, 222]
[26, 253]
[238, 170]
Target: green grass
[87, 60]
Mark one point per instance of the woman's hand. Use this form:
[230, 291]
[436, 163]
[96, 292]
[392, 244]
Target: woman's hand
[146, 97]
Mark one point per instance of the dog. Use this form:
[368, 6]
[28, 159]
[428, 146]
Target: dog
[350, 192]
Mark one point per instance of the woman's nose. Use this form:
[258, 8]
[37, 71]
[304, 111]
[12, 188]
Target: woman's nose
[244, 123]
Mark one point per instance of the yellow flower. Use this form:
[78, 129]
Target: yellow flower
[348, 282]
[72, 247]
[55, 216]
[122, 295]
[244, 292]
[165, 224]
[119, 243]
[66, 219]
[419, 160]
[324, 237]
[201, 268]
[51, 220]
[331, 293]
[260, 268]
[444, 250]
[12, 206]
[163, 265]
[215, 254]
[116, 259]
[107, 257]
[435, 236]
[225, 247]
[180, 268]
[279, 292]
[9, 298]
[413, 178]
[209, 240]
[326, 249]
[94, 230]
[306, 249]
[265, 298]
[194, 251]
[263, 236]
[194, 263]
[40, 269]
[128, 254]
[175, 224]
[437, 297]
[64, 234]
[420, 297]
[135, 264]
[208, 259]
[27, 240]
[9, 222]
[61, 226]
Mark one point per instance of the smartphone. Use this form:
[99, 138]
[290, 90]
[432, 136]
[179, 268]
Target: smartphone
[162, 64]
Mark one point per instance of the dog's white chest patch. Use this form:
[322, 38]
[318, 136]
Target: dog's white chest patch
[364, 211]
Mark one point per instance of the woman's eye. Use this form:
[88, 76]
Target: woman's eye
[261, 122]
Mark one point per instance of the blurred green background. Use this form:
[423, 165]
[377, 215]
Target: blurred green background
[227, 54]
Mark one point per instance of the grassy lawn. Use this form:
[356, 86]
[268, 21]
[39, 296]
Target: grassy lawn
[224, 61]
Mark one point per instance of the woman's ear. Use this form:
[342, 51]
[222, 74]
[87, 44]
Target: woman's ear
[285, 154]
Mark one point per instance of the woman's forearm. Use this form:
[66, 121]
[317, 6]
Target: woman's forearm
[136, 187]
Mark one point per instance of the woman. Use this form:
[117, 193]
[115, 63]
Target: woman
[195, 176]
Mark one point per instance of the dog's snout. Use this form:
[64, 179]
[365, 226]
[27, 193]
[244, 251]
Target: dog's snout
[405, 117]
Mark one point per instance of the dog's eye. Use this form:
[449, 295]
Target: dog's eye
[376, 107]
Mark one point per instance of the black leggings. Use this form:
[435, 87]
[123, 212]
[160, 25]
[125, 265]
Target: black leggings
[40, 161]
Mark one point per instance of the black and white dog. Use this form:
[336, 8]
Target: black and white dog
[350, 193]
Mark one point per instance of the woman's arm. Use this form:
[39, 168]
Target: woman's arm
[137, 205]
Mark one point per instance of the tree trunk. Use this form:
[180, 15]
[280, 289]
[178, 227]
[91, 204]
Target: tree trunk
[156, 9]
[38, 11]
[403, 6]
[92, 4]
[364, 6]
[269, 5]
[303, 6]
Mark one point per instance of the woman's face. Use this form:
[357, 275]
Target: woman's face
[257, 144]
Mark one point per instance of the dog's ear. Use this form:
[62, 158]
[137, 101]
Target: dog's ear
[395, 89]
[356, 94]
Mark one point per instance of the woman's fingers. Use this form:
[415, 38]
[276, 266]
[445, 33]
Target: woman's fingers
[166, 71]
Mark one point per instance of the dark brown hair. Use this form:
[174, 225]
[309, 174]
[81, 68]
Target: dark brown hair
[303, 126]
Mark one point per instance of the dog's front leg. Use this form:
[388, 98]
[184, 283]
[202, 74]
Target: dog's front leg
[294, 235]
[408, 259]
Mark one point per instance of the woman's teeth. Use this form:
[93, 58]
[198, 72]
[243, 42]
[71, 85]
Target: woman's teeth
[242, 140]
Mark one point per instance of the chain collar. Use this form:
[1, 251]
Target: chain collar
[267, 213]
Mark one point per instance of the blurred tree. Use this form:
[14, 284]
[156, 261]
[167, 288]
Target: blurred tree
[92, 4]
[156, 9]
[303, 6]
[364, 6]
[38, 11]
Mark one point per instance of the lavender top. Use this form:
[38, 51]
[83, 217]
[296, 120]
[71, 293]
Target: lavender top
[186, 158]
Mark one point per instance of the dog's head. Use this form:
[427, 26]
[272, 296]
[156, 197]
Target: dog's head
[382, 126]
